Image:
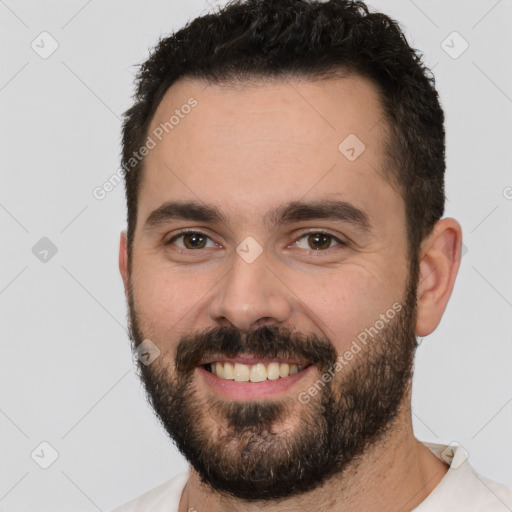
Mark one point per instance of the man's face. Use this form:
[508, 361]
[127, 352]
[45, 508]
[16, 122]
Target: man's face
[272, 286]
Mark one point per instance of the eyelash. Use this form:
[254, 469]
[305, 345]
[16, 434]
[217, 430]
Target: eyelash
[191, 232]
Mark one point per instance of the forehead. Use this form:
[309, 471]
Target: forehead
[320, 112]
[260, 143]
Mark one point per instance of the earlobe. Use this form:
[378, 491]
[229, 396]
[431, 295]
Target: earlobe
[439, 263]
[123, 260]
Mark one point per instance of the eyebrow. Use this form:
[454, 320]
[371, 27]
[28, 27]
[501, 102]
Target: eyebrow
[287, 213]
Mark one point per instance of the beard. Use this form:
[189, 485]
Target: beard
[247, 449]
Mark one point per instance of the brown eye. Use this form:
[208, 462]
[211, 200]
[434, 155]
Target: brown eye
[319, 241]
[191, 240]
[194, 241]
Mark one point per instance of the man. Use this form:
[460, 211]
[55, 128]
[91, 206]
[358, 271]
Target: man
[284, 167]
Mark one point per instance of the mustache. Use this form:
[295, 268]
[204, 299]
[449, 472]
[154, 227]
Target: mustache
[266, 342]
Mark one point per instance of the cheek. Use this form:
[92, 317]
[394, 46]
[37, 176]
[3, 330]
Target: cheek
[347, 302]
[166, 299]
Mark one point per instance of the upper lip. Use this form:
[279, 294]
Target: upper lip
[251, 359]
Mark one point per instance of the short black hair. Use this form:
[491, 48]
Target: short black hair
[267, 39]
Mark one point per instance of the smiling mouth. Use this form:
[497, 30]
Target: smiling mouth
[259, 372]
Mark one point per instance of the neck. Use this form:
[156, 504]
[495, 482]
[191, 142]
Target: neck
[396, 474]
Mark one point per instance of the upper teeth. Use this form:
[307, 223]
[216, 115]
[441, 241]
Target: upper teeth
[254, 373]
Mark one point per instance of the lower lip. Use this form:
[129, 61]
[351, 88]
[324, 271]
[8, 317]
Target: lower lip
[252, 390]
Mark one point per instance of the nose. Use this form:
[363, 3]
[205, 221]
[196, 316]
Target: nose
[250, 296]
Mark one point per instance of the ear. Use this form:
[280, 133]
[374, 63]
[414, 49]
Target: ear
[123, 261]
[440, 256]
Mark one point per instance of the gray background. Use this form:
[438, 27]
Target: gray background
[67, 374]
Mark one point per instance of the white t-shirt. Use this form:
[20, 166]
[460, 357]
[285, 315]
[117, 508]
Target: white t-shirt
[462, 489]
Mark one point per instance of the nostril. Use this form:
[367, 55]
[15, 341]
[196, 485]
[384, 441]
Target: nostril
[263, 322]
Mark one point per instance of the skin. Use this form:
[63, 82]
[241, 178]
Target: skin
[247, 149]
